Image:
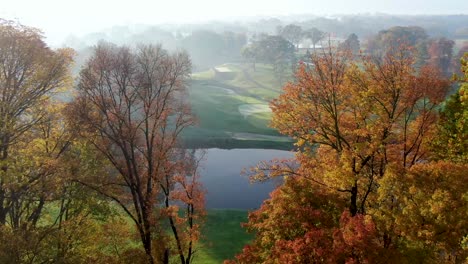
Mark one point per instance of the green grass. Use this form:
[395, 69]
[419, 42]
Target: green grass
[216, 99]
[260, 119]
[209, 74]
[223, 236]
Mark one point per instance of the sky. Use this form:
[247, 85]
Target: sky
[60, 18]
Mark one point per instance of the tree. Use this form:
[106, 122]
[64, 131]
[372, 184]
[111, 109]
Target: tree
[363, 133]
[271, 49]
[37, 158]
[30, 74]
[422, 57]
[440, 54]
[233, 44]
[457, 59]
[292, 33]
[351, 44]
[300, 224]
[392, 38]
[315, 35]
[131, 108]
[250, 54]
[452, 140]
[206, 47]
[274, 50]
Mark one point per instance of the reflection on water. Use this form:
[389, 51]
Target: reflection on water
[220, 175]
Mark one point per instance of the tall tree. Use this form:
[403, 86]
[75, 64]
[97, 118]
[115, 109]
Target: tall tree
[274, 50]
[458, 58]
[363, 132]
[440, 54]
[233, 44]
[250, 55]
[292, 33]
[451, 142]
[271, 49]
[352, 44]
[37, 161]
[394, 37]
[422, 57]
[132, 108]
[315, 35]
[206, 48]
[30, 73]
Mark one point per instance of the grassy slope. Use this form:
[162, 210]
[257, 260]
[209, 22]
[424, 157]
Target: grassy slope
[224, 237]
[216, 100]
[222, 234]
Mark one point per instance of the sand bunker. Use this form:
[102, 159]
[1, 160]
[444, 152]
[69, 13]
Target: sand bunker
[248, 109]
[224, 90]
[228, 91]
[223, 69]
[261, 137]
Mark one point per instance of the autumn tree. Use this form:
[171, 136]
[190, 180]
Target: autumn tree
[30, 74]
[131, 107]
[363, 134]
[36, 158]
[440, 54]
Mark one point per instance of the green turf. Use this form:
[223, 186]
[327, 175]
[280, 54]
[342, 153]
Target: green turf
[215, 100]
[223, 236]
[209, 74]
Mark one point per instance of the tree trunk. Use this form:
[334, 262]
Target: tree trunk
[353, 206]
[166, 256]
[147, 245]
[4, 155]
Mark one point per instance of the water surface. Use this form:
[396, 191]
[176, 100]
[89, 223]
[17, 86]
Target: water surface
[226, 188]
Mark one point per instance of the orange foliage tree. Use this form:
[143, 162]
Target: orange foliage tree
[366, 187]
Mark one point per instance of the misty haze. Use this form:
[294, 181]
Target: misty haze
[236, 132]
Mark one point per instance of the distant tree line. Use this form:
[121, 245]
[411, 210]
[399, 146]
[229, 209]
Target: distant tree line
[216, 43]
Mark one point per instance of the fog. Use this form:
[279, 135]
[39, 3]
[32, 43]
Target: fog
[60, 19]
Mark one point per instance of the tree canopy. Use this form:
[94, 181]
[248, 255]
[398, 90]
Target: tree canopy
[367, 186]
[131, 108]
